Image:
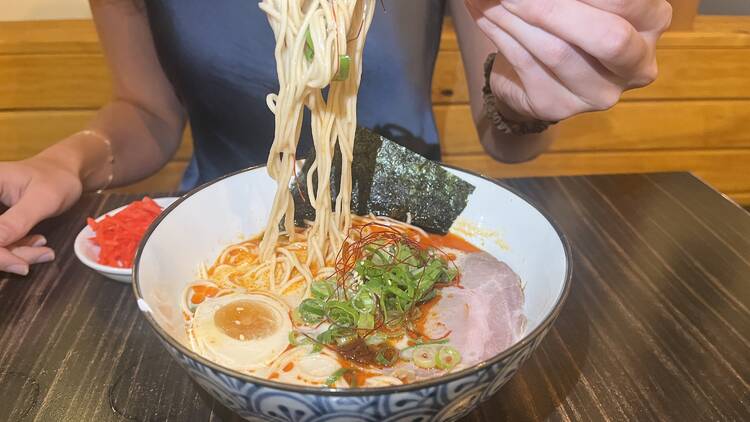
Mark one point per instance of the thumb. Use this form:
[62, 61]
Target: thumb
[33, 207]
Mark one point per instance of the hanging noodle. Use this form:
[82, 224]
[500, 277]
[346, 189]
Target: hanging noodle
[266, 317]
[313, 40]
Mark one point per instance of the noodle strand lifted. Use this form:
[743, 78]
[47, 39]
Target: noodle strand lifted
[319, 44]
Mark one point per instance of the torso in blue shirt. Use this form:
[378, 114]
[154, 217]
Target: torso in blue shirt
[219, 57]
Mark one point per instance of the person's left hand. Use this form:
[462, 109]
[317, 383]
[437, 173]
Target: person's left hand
[565, 57]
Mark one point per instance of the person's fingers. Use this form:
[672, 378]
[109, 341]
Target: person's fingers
[34, 240]
[29, 250]
[507, 85]
[33, 255]
[644, 15]
[34, 206]
[12, 264]
[523, 82]
[607, 37]
[579, 72]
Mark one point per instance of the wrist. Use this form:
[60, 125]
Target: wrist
[85, 154]
[510, 113]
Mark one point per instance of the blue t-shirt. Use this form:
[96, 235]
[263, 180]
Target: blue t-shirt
[219, 57]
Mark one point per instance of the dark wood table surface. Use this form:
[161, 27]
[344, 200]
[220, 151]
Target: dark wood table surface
[656, 327]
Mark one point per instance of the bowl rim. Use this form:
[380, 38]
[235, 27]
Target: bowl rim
[359, 391]
[81, 238]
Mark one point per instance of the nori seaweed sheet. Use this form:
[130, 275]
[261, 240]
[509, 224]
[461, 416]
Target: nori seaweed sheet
[390, 180]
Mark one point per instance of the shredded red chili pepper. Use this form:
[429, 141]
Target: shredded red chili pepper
[118, 236]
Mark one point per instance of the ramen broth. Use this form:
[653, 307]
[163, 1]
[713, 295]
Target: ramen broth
[358, 324]
[345, 301]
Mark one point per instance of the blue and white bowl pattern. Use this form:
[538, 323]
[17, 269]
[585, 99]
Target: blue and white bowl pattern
[168, 255]
[440, 403]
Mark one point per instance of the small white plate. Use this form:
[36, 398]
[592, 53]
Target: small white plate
[88, 253]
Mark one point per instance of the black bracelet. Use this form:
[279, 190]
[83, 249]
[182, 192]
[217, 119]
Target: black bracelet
[492, 111]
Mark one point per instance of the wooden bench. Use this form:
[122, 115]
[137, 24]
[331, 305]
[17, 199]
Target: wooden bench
[696, 117]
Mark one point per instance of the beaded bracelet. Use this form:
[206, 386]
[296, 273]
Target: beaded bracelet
[492, 111]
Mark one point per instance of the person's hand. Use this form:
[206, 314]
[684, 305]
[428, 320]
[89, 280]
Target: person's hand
[559, 58]
[34, 189]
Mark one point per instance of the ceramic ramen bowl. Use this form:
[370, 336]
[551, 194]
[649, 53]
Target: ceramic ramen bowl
[199, 225]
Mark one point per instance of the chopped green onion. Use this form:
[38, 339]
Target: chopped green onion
[298, 339]
[296, 317]
[312, 311]
[333, 333]
[309, 48]
[326, 337]
[366, 322]
[344, 64]
[341, 313]
[448, 358]
[331, 381]
[428, 296]
[450, 274]
[387, 356]
[407, 353]
[363, 301]
[425, 342]
[383, 290]
[322, 289]
[375, 338]
[424, 357]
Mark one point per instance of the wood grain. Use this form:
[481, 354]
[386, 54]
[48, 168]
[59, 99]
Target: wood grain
[52, 76]
[708, 31]
[742, 198]
[24, 133]
[655, 327]
[734, 24]
[81, 80]
[49, 37]
[683, 14]
[727, 170]
[628, 126]
[685, 73]
[715, 68]
[79, 36]
[62, 81]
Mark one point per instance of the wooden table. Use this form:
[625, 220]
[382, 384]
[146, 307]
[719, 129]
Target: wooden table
[657, 325]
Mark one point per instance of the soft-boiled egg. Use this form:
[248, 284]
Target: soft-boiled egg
[241, 331]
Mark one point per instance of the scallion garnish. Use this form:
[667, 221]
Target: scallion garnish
[447, 358]
[424, 357]
[341, 314]
[322, 289]
[344, 63]
[387, 356]
[331, 381]
[312, 311]
[309, 47]
[374, 298]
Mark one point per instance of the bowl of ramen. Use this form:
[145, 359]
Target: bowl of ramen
[327, 349]
[363, 283]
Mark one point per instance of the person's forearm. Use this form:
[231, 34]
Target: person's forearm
[140, 143]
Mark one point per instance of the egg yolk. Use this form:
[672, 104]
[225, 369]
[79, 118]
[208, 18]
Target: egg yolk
[246, 320]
